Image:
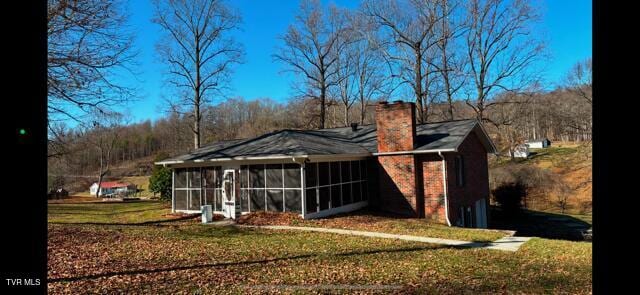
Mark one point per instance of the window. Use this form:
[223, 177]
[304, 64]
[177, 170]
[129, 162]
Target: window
[324, 198]
[188, 189]
[244, 176]
[257, 199]
[256, 176]
[311, 202]
[274, 200]
[180, 199]
[244, 200]
[292, 201]
[270, 187]
[323, 173]
[335, 184]
[274, 175]
[181, 178]
[292, 176]
[311, 174]
[459, 168]
[335, 172]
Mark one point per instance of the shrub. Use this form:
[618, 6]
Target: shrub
[160, 182]
[509, 196]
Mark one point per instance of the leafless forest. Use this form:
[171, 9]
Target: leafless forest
[481, 59]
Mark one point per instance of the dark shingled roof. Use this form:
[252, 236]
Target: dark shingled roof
[333, 141]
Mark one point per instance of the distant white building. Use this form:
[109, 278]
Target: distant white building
[521, 151]
[113, 188]
[538, 143]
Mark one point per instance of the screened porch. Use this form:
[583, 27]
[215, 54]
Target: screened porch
[314, 189]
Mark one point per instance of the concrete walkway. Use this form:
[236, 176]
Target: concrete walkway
[504, 244]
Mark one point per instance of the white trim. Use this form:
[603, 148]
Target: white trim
[276, 157]
[173, 190]
[189, 211]
[337, 210]
[444, 185]
[302, 188]
[415, 152]
[225, 198]
[338, 157]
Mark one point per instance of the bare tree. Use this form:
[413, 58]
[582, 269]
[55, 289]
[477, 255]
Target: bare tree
[310, 47]
[88, 42]
[346, 62]
[103, 136]
[451, 61]
[410, 27]
[579, 79]
[198, 51]
[500, 48]
[371, 80]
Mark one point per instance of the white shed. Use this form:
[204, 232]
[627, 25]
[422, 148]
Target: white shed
[521, 151]
[538, 143]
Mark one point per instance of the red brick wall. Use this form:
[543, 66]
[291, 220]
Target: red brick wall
[476, 184]
[432, 184]
[396, 126]
[398, 188]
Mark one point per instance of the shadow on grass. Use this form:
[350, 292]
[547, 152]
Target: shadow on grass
[99, 201]
[539, 224]
[239, 263]
[146, 223]
[79, 212]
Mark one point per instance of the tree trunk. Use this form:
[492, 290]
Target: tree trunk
[418, 86]
[346, 115]
[323, 91]
[196, 126]
[100, 175]
[363, 109]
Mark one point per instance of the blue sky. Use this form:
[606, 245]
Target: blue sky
[566, 25]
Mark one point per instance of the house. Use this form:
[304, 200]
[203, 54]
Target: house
[113, 188]
[436, 170]
[538, 143]
[521, 151]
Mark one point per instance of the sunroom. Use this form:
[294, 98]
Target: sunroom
[311, 173]
[312, 189]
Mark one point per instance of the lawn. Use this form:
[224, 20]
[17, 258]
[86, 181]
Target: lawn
[110, 212]
[187, 257]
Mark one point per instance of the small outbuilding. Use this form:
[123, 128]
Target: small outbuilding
[521, 151]
[538, 143]
[113, 188]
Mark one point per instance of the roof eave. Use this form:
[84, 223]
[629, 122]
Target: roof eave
[431, 151]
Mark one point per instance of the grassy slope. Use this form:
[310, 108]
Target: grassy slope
[142, 183]
[572, 164]
[186, 256]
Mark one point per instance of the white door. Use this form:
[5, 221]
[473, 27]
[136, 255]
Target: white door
[229, 194]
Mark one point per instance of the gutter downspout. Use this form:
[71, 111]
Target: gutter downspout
[444, 184]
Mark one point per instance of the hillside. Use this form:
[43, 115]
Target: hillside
[136, 172]
[563, 175]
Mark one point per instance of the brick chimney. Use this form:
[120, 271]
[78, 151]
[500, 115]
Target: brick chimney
[396, 126]
[399, 185]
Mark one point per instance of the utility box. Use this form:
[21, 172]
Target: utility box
[207, 213]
